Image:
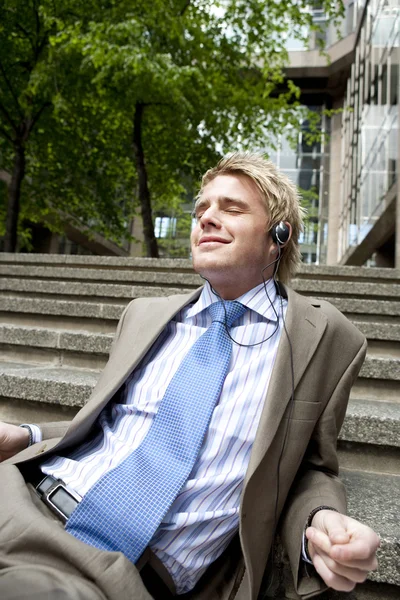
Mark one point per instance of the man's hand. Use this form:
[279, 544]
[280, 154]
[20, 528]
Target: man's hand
[13, 439]
[342, 549]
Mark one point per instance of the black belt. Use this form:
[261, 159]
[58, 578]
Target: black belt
[61, 500]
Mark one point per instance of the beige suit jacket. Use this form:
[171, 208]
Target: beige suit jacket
[296, 438]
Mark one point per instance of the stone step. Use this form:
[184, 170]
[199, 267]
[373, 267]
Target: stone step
[37, 335]
[383, 338]
[174, 278]
[366, 422]
[380, 367]
[102, 318]
[370, 590]
[19, 340]
[40, 337]
[370, 437]
[106, 262]
[379, 331]
[88, 314]
[11, 331]
[369, 458]
[372, 422]
[65, 289]
[54, 347]
[347, 273]
[164, 278]
[19, 295]
[365, 309]
[320, 272]
[376, 389]
[58, 386]
[365, 312]
[75, 309]
[53, 282]
[375, 500]
[354, 289]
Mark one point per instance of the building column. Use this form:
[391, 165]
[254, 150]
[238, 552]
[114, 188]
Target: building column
[334, 186]
[397, 230]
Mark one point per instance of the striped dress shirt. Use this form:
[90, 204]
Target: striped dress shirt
[205, 515]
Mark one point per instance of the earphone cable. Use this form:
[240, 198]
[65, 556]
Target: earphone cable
[274, 262]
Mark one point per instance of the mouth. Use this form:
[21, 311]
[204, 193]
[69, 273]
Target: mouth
[208, 239]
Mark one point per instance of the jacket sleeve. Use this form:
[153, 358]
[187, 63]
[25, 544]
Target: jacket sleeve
[317, 482]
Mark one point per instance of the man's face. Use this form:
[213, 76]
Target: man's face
[230, 243]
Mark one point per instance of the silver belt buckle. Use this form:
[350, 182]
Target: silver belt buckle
[48, 494]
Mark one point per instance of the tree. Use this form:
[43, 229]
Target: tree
[62, 159]
[20, 37]
[186, 81]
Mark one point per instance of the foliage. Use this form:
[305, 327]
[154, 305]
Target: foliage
[209, 74]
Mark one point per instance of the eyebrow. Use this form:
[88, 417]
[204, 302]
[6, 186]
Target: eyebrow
[224, 199]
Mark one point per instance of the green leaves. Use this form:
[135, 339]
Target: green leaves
[209, 75]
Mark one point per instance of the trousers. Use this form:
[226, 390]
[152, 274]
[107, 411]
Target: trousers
[39, 560]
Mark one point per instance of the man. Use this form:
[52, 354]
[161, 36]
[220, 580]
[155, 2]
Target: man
[266, 457]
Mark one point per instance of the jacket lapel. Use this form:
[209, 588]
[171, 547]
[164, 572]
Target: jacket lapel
[304, 328]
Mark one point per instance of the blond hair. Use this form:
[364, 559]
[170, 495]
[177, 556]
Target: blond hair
[279, 193]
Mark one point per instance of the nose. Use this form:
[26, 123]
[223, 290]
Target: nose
[210, 218]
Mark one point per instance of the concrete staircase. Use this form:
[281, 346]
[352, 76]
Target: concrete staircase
[57, 319]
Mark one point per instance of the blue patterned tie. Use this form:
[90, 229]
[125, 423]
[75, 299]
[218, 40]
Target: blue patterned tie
[123, 510]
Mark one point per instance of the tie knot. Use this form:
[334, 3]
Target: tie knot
[226, 312]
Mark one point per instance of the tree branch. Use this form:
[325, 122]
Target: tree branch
[155, 103]
[11, 90]
[7, 116]
[38, 45]
[26, 34]
[184, 8]
[8, 137]
[36, 118]
[42, 45]
[35, 10]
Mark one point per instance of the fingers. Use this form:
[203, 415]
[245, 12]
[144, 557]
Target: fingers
[360, 551]
[352, 574]
[356, 551]
[342, 566]
[339, 536]
[319, 539]
[332, 579]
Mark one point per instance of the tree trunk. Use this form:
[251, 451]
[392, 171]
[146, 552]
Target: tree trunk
[144, 192]
[14, 194]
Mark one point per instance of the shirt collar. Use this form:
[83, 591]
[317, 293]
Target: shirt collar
[255, 299]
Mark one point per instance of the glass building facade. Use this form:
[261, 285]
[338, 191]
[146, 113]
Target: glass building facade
[370, 125]
[330, 32]
[307, 165]
[348, 178]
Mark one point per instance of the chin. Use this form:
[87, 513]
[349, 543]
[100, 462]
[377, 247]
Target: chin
[206, 266]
